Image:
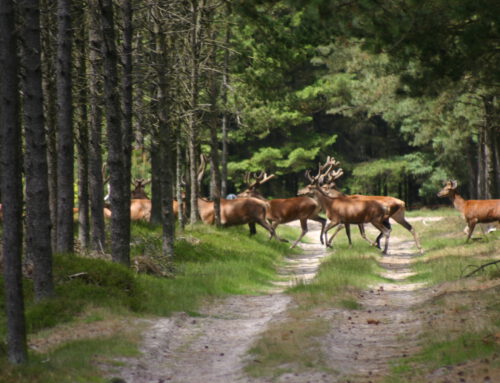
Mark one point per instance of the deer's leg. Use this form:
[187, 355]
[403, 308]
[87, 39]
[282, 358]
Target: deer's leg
[303, 225]
[329, 226]
[340, 227]
[399, 218]
[252, 228]
[362, 232]
[472, 225]
[348, 233]
[386, 232]
[323, 223]
[274, 226]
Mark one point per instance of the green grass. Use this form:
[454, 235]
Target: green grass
[209, 263]
[70, 363]
[292, 345]
[345, 271]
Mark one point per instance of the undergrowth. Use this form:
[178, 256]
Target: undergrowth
[208, 263]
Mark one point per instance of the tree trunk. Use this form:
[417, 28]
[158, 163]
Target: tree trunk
[491, 131]
[11, 186]
[127, 89]
[213, 90]
[165, 138]
[481, 164]
[96, 183]
[224, 90]
[120, 192]
[65, 151]
[49, 90]
[37, 190]
[180, 195]
[193, 104]
[82, 139]
[156, 190]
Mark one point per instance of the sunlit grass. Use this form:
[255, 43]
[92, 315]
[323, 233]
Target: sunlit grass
[208, 263]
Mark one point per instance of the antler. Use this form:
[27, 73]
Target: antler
[201, 168]
[259, 179]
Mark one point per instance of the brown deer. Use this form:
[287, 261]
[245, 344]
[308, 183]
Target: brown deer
[341, 209]
[234, 212]
[396, 208]
[140, 204]
[474, 211]
[284, 210]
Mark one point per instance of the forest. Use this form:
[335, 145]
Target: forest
[105, 101]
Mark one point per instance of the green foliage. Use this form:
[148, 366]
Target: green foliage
[209, 262]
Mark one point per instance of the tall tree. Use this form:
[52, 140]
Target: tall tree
[120, 190]
[49, 36]
[37, 204]
[126, 9]
[96, 183]
[11, 185]
[196, 11]
[82, 131]
[65, 177]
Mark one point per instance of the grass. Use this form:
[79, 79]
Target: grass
[292, 345]
[209, 263]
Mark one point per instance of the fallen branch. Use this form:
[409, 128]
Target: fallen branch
[482, 267]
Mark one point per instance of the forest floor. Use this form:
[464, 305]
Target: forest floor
[359, 345]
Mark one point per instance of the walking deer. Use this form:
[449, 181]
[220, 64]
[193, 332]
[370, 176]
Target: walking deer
[341, 209]
[396, 207]
[234, 212]
[474, 211]
[284, 210]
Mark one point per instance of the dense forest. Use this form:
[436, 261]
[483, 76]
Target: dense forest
[99, 95]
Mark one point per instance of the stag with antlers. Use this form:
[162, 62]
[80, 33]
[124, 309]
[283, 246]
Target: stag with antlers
[474, 211]
[284, 210]
[341, 209]
[234, 212]
[396, 208]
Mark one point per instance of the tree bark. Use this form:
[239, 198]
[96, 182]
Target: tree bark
[213, 90]
[65, 151]
[11, 186]
[49, 90]
[82, 138]
[37, 190]
[165, 138]
[195, 5]
[225, 114]
[120, 192]
[96, 183]
[127, 89]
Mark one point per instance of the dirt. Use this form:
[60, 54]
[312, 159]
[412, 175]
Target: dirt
[359, 347]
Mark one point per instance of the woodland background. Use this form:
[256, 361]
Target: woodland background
[403, 93]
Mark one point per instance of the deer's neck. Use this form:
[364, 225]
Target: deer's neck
[458, 202]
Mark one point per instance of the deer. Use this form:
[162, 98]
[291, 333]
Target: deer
[284, 210]
[473, 211]
[341, 209]
[140, 204]
[234, 212]
[396, 208]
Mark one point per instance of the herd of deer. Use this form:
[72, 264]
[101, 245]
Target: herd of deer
[320, 195]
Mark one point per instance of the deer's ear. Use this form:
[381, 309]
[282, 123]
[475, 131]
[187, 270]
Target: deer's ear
[454, 184]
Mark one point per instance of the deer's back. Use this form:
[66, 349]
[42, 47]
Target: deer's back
[487, 210]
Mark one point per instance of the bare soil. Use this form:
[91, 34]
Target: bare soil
[358, 348]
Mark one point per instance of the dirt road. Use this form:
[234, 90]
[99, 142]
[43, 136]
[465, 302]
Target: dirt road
[213, 347]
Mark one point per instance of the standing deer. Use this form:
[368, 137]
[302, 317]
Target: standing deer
[474, 211]
[396, 208]
[341, 209]
[284, 210]
[234, 212]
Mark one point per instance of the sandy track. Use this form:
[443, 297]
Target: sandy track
[212, 347]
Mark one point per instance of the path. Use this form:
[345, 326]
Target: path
[212, 347]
